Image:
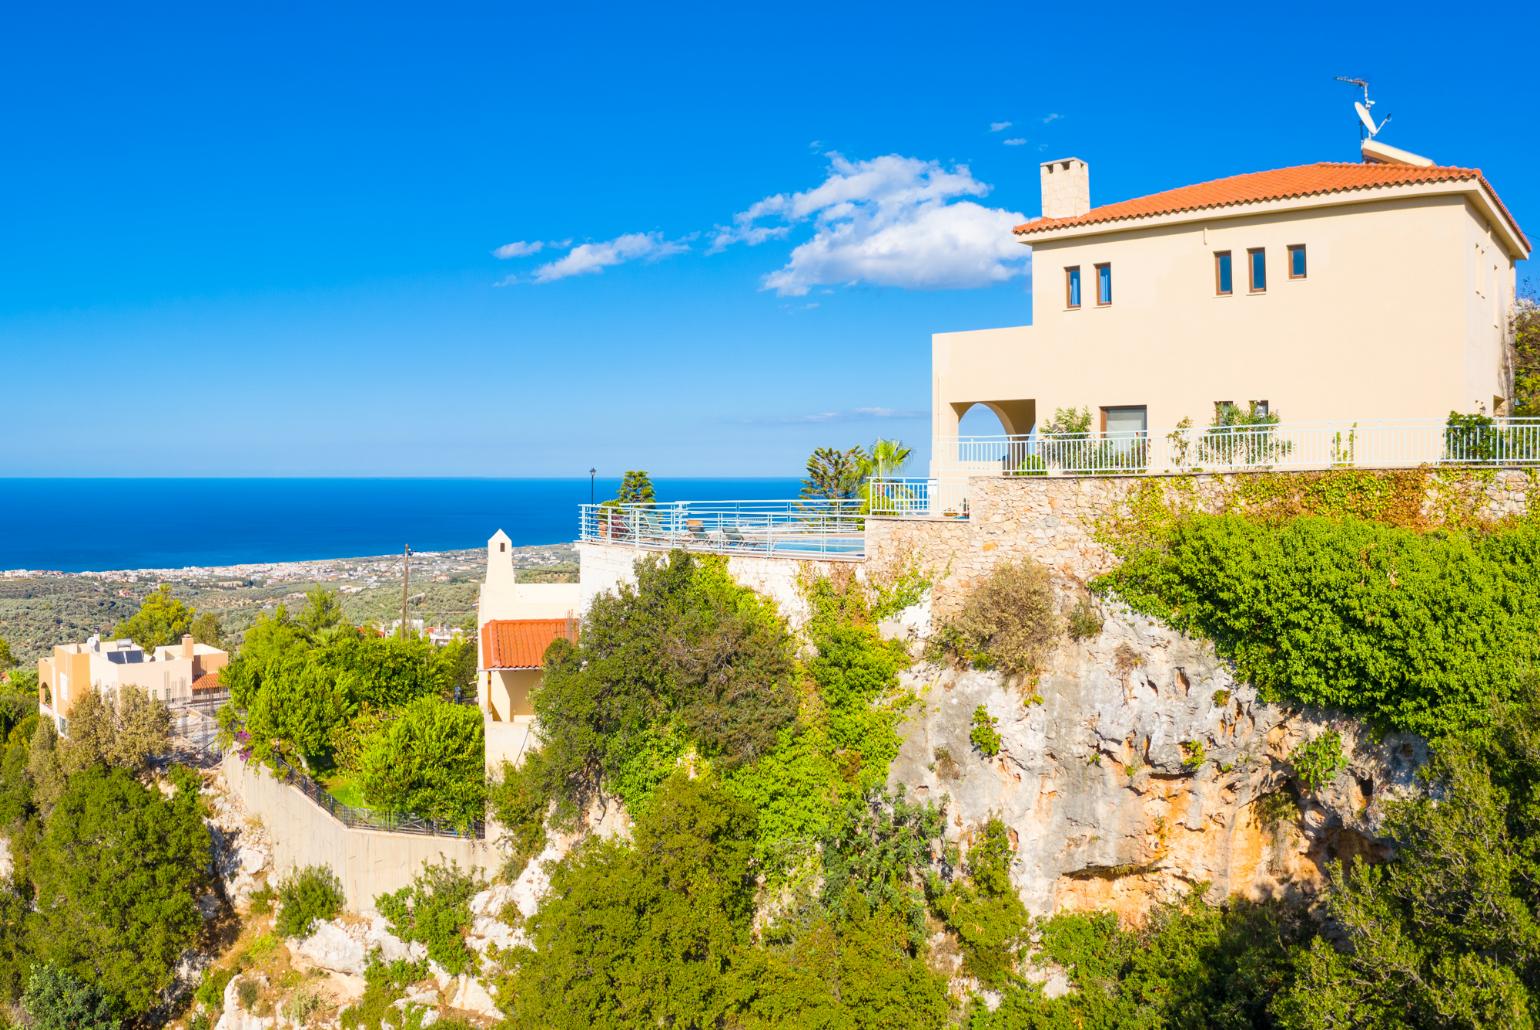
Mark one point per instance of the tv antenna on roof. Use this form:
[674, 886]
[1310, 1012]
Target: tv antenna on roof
[1364, 107]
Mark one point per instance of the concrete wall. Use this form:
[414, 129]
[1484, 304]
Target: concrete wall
[1054, 520]
[368, 862]
[1402, 314]
[606, 566]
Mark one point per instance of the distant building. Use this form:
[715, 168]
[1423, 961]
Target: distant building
[517, 622]
[173, 673]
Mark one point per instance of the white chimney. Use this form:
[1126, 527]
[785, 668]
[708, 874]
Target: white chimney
[1066, 188]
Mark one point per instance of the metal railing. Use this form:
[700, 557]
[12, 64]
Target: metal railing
[1190, 449]
[812, 528]
[394, 822]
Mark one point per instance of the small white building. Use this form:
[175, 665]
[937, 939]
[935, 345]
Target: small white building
[517, 622]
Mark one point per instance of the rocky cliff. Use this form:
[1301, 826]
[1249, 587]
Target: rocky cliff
[1139, 767]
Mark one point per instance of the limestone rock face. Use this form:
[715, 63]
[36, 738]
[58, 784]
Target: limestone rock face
[332, 947]
[1136, 769]
[236, 1018]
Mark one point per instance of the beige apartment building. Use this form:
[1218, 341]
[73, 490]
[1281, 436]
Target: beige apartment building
[1380, 290]
[517, 622]
[173, 673]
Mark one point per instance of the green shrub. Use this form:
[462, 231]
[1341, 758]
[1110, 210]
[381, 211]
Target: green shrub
[305, 897]
[985, 734]
[1008, 621]
[58, 1000]
[211, 989]
[1317, 761]
[1194, 754]
[247, 992]
[984, 912]
[428, 760]
[1084, 621]
[1414, 631]
[435, 911]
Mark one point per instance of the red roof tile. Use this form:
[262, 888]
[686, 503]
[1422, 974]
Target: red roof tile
[208, 681]
[1278, 184]
[521, 643]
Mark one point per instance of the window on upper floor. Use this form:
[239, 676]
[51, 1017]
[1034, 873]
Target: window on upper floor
[1224, 281]
[1256, 258]
[1259, 409]
[1297, 261]
[1072, 286]
[1103, 285]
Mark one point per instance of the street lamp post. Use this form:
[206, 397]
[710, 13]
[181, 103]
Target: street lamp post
[592, 472]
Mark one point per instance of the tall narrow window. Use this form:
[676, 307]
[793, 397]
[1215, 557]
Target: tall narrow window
[1257, 258]
[1297, 261]
[1072, 287]
[1103, 285]
[1224, 282]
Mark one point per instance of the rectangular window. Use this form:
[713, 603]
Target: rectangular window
[1224, 283]
[1103, 285]
[1259, 408]
[1257, 258]
[1297, 261]
[1072, 287]
[1126, 427]
[1221, 409]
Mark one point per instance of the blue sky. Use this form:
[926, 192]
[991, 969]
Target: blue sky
[261, 241]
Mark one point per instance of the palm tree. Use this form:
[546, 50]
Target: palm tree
[888, 457]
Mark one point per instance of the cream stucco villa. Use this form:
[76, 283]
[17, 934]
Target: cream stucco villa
[1380, 290]
[173, 673]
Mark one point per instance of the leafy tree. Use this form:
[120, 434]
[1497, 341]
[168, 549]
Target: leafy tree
[435, 911]
[161, 619]
[636, 488]
[428, 761]
[643, 933]
[322, 612]
[206, 629]
[117, 871]
[1525, 330]
[984, 911]
[126, 731]
[834, 475]
[295, 711]
[15, 904]
[57, 1000]
[887, 457]
[685, 644]
[305, 897]
[7, 659]
[858, 971]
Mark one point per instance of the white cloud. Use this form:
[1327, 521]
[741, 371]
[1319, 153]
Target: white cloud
[1015, 141]
[593, 258]
[889, 221]
[519, 248]
[999, 126]
[1049, 119]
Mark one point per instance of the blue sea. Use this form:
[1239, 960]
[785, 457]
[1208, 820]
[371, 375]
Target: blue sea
[73, 525]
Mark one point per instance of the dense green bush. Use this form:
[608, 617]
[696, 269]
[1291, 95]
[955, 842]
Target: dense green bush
[435, 911]
[1317, 761]
[305, 897]
[1415, 631]
[57, 1000]
[429, 760]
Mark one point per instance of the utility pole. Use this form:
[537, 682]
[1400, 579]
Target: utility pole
[406, 577]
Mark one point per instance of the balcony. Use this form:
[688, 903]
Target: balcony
[1195, 449]
[822, 529]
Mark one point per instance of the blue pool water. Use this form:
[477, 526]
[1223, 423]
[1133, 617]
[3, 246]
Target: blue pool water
[72, 525]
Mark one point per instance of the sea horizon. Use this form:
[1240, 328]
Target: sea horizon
[121, 523]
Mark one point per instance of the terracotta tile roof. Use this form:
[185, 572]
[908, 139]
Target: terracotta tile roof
[1278, 184]
[208, 681]
[521, 643]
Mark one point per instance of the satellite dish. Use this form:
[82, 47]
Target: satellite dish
[1368, 119]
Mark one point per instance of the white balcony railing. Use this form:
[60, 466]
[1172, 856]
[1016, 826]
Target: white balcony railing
[795, 529]
[1285, 446]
